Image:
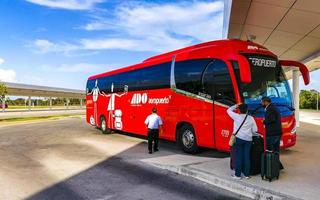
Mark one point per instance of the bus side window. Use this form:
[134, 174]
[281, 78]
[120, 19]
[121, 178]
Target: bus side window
[188, 74]
[217, 82]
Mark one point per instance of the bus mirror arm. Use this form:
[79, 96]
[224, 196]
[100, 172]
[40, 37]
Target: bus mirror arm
[302, 68]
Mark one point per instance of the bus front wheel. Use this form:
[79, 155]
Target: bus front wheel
[187, 139]
[103, 126]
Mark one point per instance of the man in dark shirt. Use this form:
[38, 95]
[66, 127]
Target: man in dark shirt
[272, 123]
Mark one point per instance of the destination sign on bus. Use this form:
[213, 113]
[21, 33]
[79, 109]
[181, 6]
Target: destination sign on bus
[263, 62]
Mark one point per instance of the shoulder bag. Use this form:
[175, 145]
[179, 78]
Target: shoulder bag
[232, 139]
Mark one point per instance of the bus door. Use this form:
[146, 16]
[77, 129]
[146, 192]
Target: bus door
[216, 82]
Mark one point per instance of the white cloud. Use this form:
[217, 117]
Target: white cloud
[79, 67]
[45, 46]
[8, 75]
[160, 27]
[67, 4]
[149, 27]
[1, 61]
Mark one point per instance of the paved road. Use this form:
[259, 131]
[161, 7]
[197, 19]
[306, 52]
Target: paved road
[40, 113]
[67, 159]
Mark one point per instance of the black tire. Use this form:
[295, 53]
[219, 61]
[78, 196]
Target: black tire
[103, 126]
[187, 139]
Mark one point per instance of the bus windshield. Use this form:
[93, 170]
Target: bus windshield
[268, 79]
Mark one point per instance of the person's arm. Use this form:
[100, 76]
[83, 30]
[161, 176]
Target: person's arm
[146, 122]
[254, 128]
[231, 112]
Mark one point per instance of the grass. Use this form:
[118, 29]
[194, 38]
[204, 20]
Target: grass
[25, 119]
[38, 107]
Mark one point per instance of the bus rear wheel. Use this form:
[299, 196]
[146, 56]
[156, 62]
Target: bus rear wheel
[187, 139]
[103, 126]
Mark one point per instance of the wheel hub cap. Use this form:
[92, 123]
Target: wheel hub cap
[188, 139]
[103, 125]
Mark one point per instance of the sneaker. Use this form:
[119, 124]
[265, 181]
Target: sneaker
[247, 177]
[236, 177]
[156, 150]
[150, 152]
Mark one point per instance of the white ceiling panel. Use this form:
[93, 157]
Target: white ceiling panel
[293, 55]
[300, 22]
[316, 32]
[261, 33]
[283, 39]
[282, 3]
[288, 28]
[276, 49]
[308, 5]
[308, 45]
[235, 31]
[265, 15]
[239, 8]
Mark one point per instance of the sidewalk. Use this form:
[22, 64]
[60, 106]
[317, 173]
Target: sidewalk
[310, 116]
[299, 180]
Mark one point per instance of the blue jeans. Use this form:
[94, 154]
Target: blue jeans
[243, 148]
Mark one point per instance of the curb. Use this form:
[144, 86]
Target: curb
[235, 186]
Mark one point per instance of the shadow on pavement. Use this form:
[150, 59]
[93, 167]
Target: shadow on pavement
[172, 146]
[125, 177]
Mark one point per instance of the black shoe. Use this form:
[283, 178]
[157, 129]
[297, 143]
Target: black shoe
[156, 150]
[150, 152]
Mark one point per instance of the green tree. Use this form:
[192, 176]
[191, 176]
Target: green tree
[308, 99]
[3, 91]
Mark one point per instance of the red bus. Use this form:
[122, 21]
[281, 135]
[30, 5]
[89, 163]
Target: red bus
[192, 89]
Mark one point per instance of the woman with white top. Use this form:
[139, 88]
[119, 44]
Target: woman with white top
[243, 138]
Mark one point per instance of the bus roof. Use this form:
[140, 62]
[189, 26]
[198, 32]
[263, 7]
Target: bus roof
[238, 45]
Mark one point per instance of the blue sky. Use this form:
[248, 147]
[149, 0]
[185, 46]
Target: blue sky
[62, 42]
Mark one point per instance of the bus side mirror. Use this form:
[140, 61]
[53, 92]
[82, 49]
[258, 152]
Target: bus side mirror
[302, 68]
[244, 67]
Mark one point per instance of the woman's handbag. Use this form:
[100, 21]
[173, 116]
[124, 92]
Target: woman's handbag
[232, 139]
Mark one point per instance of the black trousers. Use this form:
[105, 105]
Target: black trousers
[273, 144]
[153, 136]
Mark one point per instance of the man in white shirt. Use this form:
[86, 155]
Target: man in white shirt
[243, 138]
[153, 123]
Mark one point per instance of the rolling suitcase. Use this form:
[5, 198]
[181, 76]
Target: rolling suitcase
[270, 165]
[256, 152]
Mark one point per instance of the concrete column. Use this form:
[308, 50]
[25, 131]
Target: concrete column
[81, 103]
[50, 103]
[29, 102]
[3, 104]
[317, 101]
[295, 94]
[68, 101]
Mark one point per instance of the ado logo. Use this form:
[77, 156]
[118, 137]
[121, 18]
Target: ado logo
[139, 99]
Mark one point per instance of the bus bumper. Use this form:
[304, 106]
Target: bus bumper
[288, 140]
